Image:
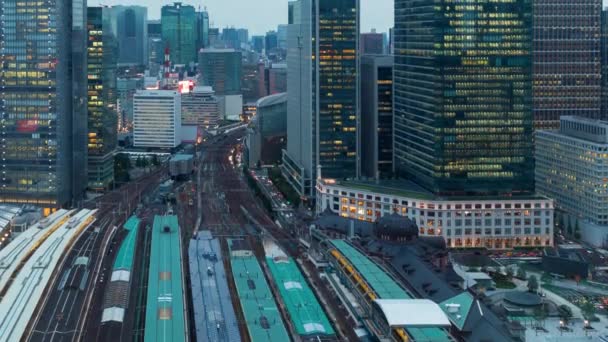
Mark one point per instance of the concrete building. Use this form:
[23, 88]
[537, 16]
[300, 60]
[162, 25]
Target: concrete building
[125, 89]
[276, 80]
[253, 82]
[467, 222]
[221, 69]
[156, 119]
[571, 168]
[180, 32]
[101, 99]
[376, 116]
[130, 24]
[322, 92]
[267, 132]
[567, 60]
[257, 43]
[202, 30]
[371, 43]
[200, 107]
[43, 102]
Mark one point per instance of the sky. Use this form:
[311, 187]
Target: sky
[260, 16]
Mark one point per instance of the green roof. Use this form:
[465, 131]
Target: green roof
[126, 253]
[465, 300]
[386, 288]
[304, 309]
[165, 306]
[257, 300]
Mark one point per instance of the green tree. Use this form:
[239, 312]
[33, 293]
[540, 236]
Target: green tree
[564, 312]
[532, 284]
[588, 309]
[521, 273]
[509, 271]
[540, 313]
[122, 166]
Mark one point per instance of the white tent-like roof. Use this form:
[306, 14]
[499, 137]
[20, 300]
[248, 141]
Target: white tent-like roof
[412, 313]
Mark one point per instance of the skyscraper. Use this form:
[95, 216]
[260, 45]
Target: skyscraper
[322, 91]
[372, 43]
[202, 30]
[604, 63]
[130, 25]
[101, 102]
[271, 41]
[257, 43]
[222, 70]
[43, 102]
[230, 37]
[567, 68]
[179, 32]
[463, 116]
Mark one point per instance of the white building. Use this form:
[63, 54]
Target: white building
[468, 222]
[156, 118]
[572, 168]
[201, 108]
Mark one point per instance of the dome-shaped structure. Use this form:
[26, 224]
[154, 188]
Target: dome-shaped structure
[395, 226]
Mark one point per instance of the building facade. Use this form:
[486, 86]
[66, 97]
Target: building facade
[202, 30]
[179, 32]
[371, 43]
[130, 25]
[126, 89]
[463, 223]
[156, 119]
[572, 168]
[322, 92]
[200, 107]
[463, 115]
[102, 53]
[267, 132]
[376, 116]
[567, 68]
[276, 80]
[221, 69]
[43, 102]
[253, 83]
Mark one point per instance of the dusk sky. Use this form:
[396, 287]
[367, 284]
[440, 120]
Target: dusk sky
[260, 16]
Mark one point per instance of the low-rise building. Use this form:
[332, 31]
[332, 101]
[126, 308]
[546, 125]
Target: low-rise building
[467, 222]
[572, 169]
[156, 119]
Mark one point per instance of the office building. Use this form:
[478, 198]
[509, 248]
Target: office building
[102, 56]
[126, 87]
[156, 55]
[44, 130]
[202, 30]
[230, 38]
[463, 122]
[253, 81]
[179, 32]
[221, 69]
[156, 119]
[282, 37]
[200, 107]
[377, 116]
[267, 132]
[214, 38]
[276, 80]
[571, 169]
[155, 29]
[467, 222]
[322, 92]
[131, 30]
[271, 42]
[567, 68]
[604, 63]
[371, 43]
[243, 35]
[257, 43]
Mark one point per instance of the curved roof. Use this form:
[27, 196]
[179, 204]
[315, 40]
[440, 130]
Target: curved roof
[271, 100]
[428, 313]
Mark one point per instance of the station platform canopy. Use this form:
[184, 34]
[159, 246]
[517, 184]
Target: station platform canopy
[408, 313]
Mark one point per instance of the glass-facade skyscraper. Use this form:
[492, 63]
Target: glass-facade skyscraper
[43, 102]
[101, 102]
[180, 32]
[567, 60]
[130, 26]
[463, 94]
[323, 91]
[202, 30]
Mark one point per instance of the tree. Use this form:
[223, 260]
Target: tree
[540, 313]
[532, 284]
[521, 273]
[155, 160]
[588, 309]
[564, 312]
[510, 272]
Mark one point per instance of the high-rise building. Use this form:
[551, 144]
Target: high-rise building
[604, 63]
[202, 30]
[276, 79]
[200, 107]
[214, 38]
[221, 69]
[180, 32]
[156, 55]
[257, 43]
[43, 102]
[130, 25]
[567, 68]
[371, 43]
[101, 101]
[157, 118]
[253, 81]
[125, 89]
[155, 29]
[271, 41]
[243, 35]
[571, 168]
[282, 36]
[376, 116]
[230, 37]
[463, 115]
[267, 132]
[322, 92]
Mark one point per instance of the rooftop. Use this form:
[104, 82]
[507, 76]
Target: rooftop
[165, 304]
[428, 313]
[264, 322]
[182, 157]
[126, 253]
